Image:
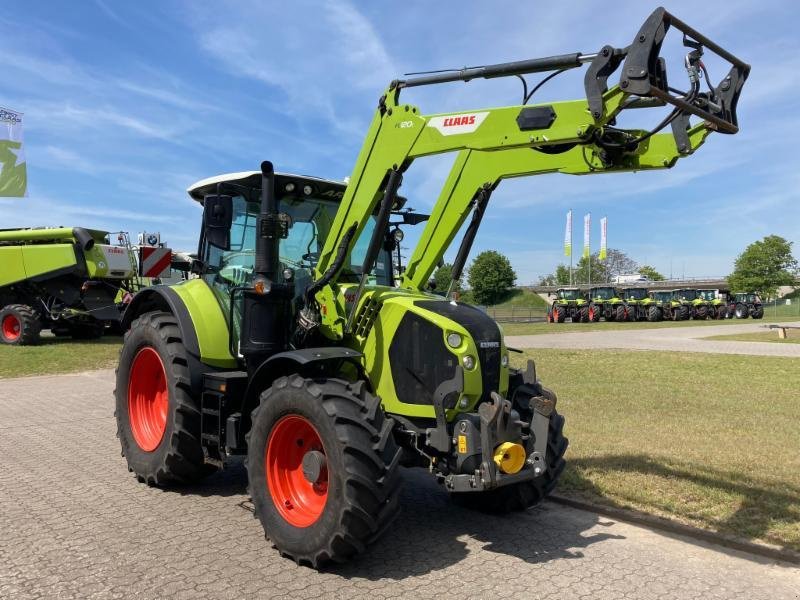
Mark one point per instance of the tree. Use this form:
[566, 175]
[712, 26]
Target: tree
[442, 278]
[598, 271]
[764, 266]
[650, 273]
[490, 277]
[562, 275]
[617, 263]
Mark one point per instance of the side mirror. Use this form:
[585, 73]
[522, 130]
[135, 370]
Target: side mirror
[217, 219]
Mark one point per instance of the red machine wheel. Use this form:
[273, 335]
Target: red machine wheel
[296, 470]
[148, 399]
[11, 328]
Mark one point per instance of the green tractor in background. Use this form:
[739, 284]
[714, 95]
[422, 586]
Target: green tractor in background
[745, 304]
[699, 307]
[570, 303]
[638, 306]
[69, 280]
[299, 348]
[717, 306]
[670, 305]
[605, 302]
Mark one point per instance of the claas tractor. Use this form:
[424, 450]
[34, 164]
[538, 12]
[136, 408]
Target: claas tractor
[717, 307]
[604, 302]
[745, 304]
[670, 304]
[570, 302]
[70, 280]
[297, 348]
[699, 307]
[638, 306]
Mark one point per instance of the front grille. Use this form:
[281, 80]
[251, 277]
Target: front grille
[419, 359]
[366, 317]
[484, 332]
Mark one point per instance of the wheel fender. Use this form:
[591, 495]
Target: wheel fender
[304, 362]
[163, 298]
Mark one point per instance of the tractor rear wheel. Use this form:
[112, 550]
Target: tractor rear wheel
[19, 325]
[720, 312]
[519, 496]
[584, 314]
[322, 465]
[653, 314]
[560, 314]
[742, 311]
[620, 316]
[594, 314]
[757, 312]
[158, 419]
[701, 313]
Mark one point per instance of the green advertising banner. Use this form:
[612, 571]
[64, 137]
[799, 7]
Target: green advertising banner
[13, 173]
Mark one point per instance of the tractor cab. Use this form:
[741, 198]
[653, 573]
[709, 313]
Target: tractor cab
[686, 295]
[570, 294]
[707, 295]
[602, 293]
[634, 294]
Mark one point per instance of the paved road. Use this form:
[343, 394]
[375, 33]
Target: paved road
[681, 339]
[75, 524]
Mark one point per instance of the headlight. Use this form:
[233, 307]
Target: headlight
[288, 274]
[307, 189]
[454, 340]
[398, 235]
[289, 187]
[504, 361]
[469, 362]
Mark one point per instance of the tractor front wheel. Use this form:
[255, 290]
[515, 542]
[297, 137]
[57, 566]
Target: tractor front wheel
[653, 314]
[519, 496]
[742, 311]
[584, 314]
[702, 312]
[158, 419]
[757, 312]
[19, 325]
[322, 466]
[620, 310]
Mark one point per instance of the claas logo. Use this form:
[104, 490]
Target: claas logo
[461, 120]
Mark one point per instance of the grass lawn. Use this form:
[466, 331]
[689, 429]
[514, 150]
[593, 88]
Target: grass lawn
[760, 336]
[59, 355]
[567, 327]
[709, 440]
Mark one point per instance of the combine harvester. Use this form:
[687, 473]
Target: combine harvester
[295, 349]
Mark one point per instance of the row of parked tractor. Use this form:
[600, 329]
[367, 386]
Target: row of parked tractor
[642, 304]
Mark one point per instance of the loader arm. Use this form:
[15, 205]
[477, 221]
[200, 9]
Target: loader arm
[475, 170]
[575, 137]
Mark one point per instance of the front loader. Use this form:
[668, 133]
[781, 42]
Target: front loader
[297, 348]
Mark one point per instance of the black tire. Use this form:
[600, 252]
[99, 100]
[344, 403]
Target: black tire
[720, 311]
[584, 314]
[363, 479]
[620, 316]
[652, 314]
[178, 456]
[610, 313]
[757, 312]
[520, 496]
[742, 311]
[701, 312]
[19, 325]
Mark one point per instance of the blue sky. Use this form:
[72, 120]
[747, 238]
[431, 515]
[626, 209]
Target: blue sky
[127, 104]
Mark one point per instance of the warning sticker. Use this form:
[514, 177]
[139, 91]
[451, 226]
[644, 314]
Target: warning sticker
[462, 444]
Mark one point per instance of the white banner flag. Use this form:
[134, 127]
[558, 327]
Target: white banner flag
[603, 238]
[13, 175]
[568, 236]
[587, 226]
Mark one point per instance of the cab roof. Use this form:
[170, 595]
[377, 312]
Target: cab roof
[252, 180]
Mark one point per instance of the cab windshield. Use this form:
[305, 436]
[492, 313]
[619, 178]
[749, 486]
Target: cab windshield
[603, 293]
[310, 220]
[569, 294]
[636, 293]
[707, 295]
[687, 294]
[662, 296]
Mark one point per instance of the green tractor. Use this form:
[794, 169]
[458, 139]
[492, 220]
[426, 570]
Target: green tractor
[297, 347]
[716, 301]
[671, 305]
[69, 280]
[745, 304]
[699, 307]
[605, 302]
[570, 303]
[638, 306]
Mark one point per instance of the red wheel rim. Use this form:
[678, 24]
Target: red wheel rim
[148, 399]
[299, 501]
[12, 328]
[591, 314]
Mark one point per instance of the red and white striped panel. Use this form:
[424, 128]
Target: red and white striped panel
[154, 262]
